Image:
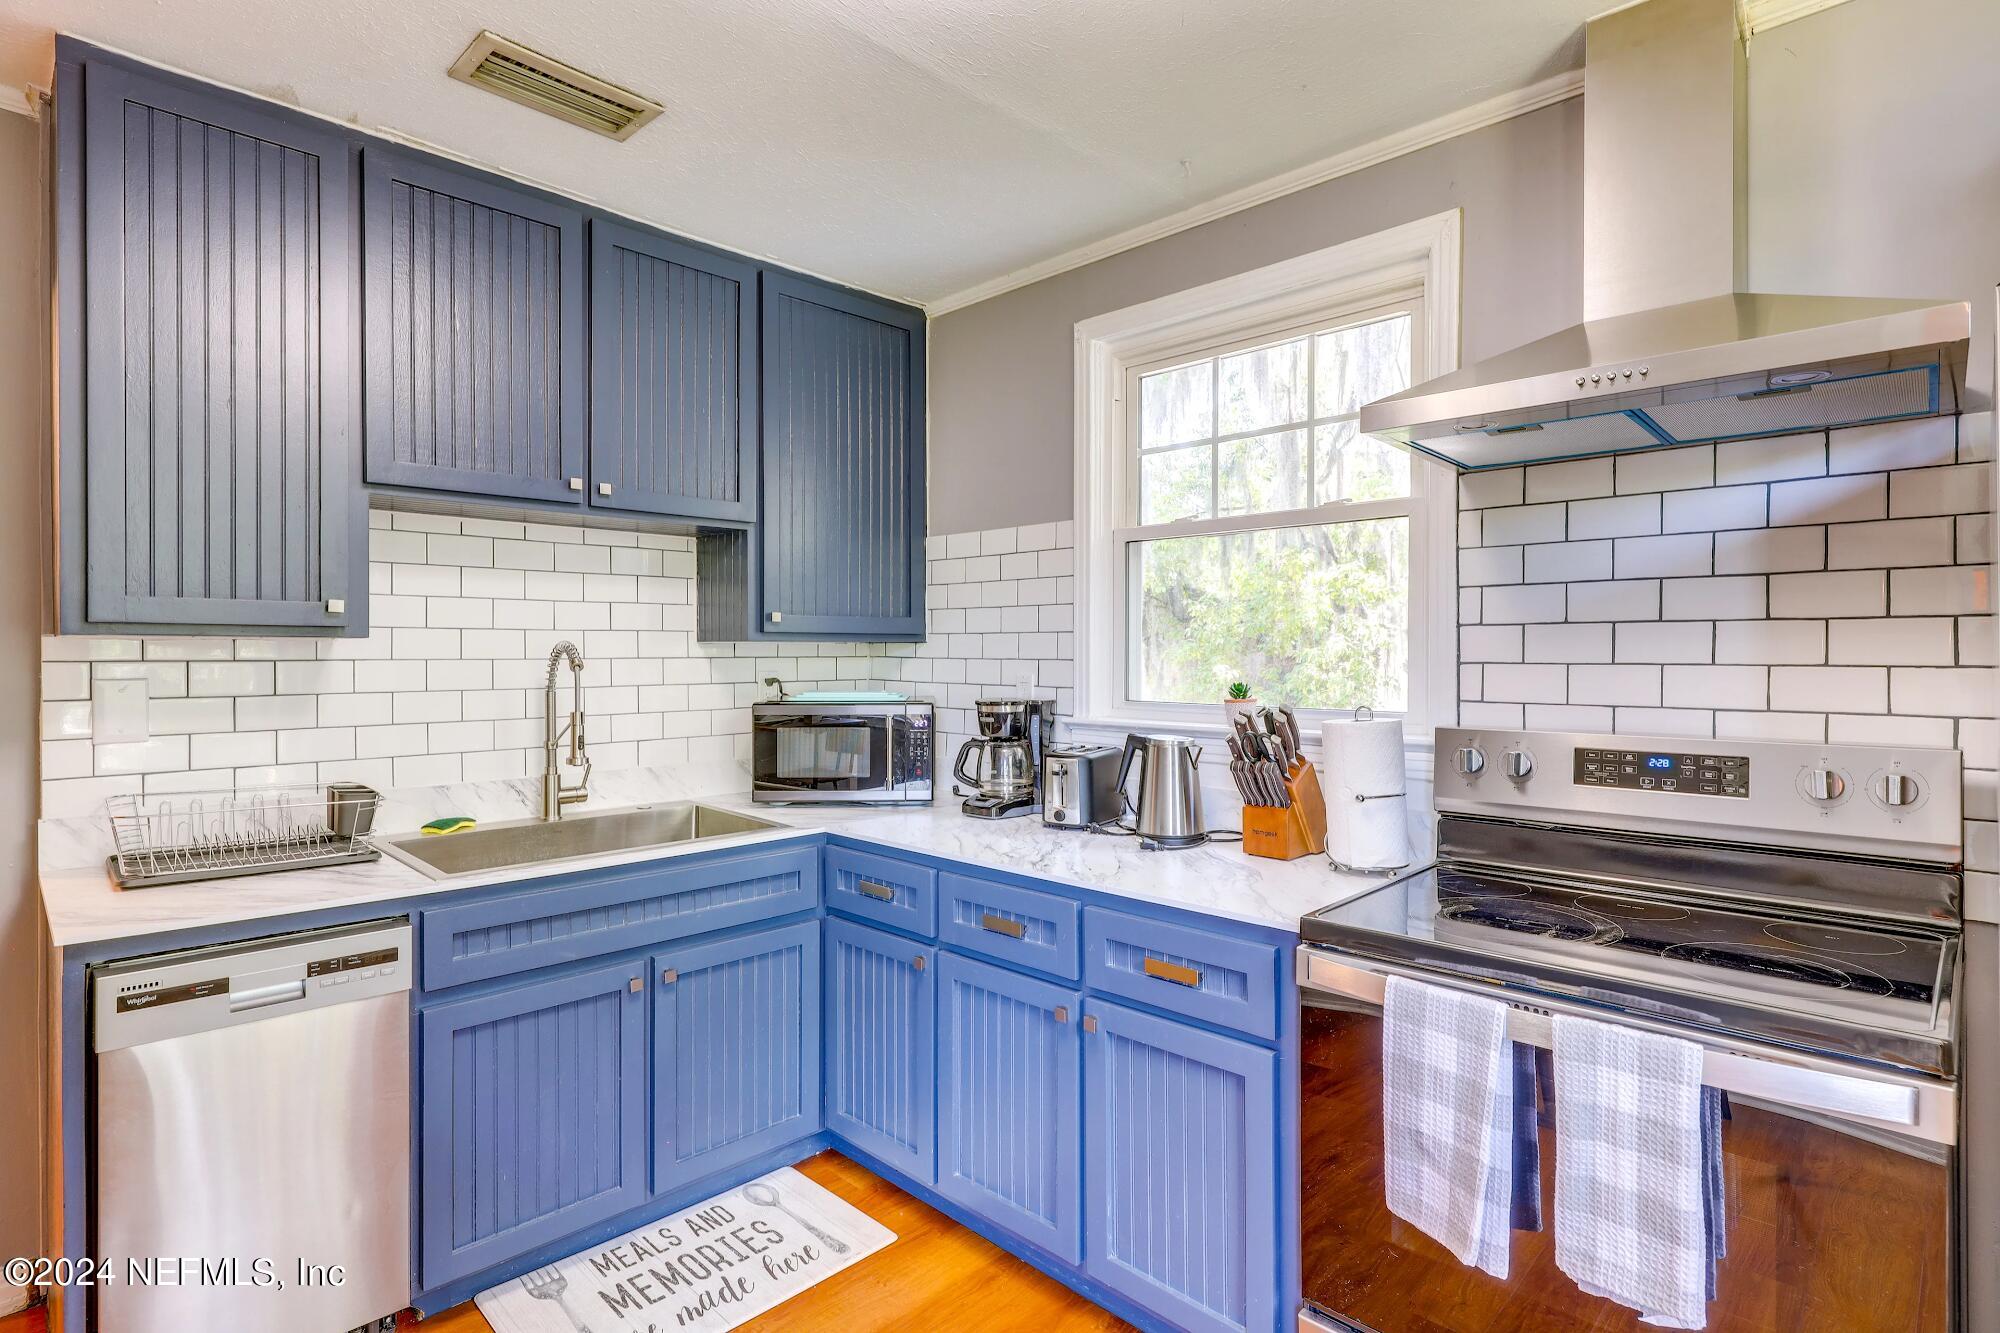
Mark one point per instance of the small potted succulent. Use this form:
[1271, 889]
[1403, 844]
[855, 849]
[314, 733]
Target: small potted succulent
[1237, 700]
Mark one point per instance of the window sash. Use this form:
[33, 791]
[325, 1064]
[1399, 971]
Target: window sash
[1414, 506]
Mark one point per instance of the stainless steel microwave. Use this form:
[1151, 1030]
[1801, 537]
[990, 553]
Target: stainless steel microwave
[842, 752]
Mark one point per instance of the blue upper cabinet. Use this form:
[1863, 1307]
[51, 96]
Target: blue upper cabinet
[839, 550]
[673, 377]
[736, 1051]
[474, 332]
[207, 402]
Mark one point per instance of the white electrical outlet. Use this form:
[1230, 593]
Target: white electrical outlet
[1018, 675]
[118, 711]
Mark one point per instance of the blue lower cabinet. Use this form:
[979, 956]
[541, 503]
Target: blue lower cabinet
[1009, 1101]
[1181, 1162]
[736, 1051]
[881, 1017]
[533, 1116]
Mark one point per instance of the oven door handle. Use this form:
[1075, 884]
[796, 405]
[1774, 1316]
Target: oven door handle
[1924, 1108]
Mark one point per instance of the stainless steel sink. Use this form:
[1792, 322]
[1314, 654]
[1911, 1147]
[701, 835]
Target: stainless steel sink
[524, 842]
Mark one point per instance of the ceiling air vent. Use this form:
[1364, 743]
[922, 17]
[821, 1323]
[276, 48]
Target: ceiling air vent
[563, 91]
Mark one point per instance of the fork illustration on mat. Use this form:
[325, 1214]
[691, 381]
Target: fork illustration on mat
[548, 1284]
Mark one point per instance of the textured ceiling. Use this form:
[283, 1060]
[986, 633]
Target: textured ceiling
[912, 147]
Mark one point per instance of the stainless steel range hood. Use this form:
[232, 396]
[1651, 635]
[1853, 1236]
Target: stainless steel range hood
[1672, 350]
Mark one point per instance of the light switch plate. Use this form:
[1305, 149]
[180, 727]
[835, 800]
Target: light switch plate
[118, 711]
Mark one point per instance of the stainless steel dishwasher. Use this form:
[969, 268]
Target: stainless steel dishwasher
[252, 1144]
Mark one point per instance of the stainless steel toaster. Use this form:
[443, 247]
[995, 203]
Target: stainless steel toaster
[1080, 786]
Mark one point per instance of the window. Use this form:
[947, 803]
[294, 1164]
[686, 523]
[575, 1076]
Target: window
[1234, 522]
[1248, 560]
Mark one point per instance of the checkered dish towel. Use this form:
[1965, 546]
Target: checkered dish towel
[1448, 1118]
[1629, 1170]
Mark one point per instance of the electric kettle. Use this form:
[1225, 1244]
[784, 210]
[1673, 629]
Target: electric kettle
[1168, 809]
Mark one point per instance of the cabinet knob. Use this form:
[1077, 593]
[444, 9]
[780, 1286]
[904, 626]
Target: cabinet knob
[604, 488]
[918, 962]
[777, 616]
[1090, 1022]
[635, 985]
[1062, 1013]
[336, 606]
[670, 976]
[576, 483]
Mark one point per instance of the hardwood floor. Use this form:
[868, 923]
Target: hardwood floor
[937, 1275]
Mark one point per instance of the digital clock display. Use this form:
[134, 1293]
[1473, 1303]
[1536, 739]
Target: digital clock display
[1659, 761]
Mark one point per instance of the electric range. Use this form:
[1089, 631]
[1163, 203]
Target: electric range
[1793, 909]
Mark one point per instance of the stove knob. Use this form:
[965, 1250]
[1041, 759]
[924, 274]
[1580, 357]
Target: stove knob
[1517, 764]
[1471, 761]
[1897, 789]
[1823, 784]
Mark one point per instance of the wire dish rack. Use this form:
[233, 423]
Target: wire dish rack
[169, 839]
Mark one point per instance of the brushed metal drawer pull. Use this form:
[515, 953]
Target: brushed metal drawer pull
[1174, 972]
[670, 976]
[1000, 925]
[874, 890]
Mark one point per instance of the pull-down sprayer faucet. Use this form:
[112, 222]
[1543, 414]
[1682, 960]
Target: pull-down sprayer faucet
[554, 795]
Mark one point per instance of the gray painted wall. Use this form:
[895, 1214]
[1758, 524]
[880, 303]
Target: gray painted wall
[24, 435]
[1000, 398]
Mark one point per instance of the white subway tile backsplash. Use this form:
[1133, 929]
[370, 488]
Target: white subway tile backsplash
[1574, 480]
[1481, 565]
[1830, 689]
[1771, 642]
[1516, 525]
[1883, 545]
[1485, 490]
[1770, 726]
[1783, 458]
[1665, 469]
[1714, 509]
[1889, 445]
[1526, 683]
[1839, 499]
[1901, 641]
[1569, 717]
[1614, 516]
[1733, 687]
[1566, 643]
[230, 678]
[1962, 590]
[1629, 599]
[1770, 550]
[1820, 596]
[1522, 604]
[1664, 721]
[1614, 684]
[1883, 729]
[1661, 557]
[1964, 489]
[1934, 692]
[1489, 643]
[1664, 641]
[1562, 562]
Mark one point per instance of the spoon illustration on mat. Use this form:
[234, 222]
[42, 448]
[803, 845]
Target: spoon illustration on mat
[764, 1196]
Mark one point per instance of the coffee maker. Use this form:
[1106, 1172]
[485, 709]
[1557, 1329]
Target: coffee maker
[1002, 766]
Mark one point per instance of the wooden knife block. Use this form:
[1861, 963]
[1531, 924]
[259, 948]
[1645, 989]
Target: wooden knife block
[1285, 833]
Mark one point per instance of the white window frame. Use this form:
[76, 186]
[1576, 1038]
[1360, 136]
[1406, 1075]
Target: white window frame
[1418, 263]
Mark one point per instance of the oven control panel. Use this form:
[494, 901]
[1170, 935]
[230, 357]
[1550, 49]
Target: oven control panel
[1904, 801]
[1663, 771]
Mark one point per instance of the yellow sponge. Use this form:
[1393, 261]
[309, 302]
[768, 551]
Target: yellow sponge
[449, 824]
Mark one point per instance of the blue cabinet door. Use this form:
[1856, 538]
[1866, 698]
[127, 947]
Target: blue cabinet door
[736, 1051]
[212, 484]
[1181, 1161]
[533, 1116]
[474, 333]
[842, 534]
[673, 376]
[1009, 1105]
[880, 1016]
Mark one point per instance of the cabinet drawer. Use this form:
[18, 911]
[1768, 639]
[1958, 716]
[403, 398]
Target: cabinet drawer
[1229, 982]
[890, 892]
[586, 916]
[1014, 925]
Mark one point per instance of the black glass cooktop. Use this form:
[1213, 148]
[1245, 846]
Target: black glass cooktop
[1767, 973]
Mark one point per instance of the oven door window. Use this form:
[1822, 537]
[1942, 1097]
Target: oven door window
[823, 754]
[1830, 1225]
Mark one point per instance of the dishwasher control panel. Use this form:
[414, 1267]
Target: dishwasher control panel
[140, 1000]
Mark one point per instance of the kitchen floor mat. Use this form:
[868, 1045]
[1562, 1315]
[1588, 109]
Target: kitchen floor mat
[706, 1269]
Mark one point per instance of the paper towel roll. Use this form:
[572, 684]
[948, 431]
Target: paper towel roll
[1366, 805]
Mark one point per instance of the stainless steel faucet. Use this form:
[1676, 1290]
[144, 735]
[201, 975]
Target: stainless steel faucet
[554, 795]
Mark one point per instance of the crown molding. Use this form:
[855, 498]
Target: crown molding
[1759, 16]
[1547, 92]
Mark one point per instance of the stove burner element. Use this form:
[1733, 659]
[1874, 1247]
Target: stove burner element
[1631, 909]
[1783, 963]
[1835, 939]
[1532, 918]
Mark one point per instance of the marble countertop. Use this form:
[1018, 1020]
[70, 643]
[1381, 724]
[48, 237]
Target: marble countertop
[84, 906]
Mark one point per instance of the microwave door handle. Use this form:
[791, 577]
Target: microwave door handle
[1925, 1109]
